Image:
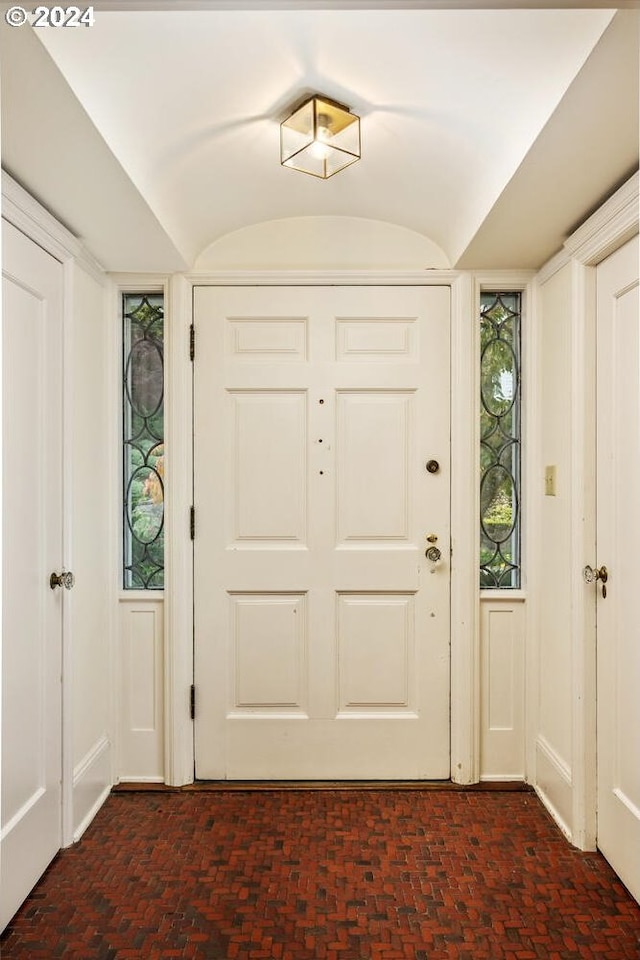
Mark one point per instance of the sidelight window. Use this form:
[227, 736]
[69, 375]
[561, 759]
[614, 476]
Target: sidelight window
[143, 441]
[500, 491]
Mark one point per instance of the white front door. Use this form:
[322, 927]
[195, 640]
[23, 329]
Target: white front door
[32, 546]
[618, 547]
[321, 629]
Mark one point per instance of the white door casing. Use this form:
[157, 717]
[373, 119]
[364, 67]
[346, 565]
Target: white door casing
[32, 549]
[321, 630]
[618, 537]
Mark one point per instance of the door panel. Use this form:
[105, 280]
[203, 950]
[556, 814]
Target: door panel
[322, 632]
[267, 428]
[32, 546]
[373, 493]
[618, 539]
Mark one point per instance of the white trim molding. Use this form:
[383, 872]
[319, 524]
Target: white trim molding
[583, 542]
[323, 278]
[29, 216]
[465, 536]
[615, 222]
[178, 651]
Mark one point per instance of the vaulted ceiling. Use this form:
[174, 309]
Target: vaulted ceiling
[154, 133]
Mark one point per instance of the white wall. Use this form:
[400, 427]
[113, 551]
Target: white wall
[91, 521]
[323, 243]
[554, 695]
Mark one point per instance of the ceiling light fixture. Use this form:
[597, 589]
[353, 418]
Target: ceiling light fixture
[320, 137]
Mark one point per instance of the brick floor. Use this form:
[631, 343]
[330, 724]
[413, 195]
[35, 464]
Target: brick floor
[325, 875]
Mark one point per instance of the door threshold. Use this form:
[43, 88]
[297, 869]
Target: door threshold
[259, 786]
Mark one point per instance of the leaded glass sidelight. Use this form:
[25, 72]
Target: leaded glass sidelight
[143, 441]
[500, 315]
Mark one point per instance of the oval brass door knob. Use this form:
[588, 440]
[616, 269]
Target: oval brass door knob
[432, 466]
[65, 579]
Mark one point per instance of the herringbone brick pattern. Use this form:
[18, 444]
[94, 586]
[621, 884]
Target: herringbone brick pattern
[330, 875]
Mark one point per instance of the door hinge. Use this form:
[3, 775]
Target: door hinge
[192, 342]
[192, 522]
[192, 701]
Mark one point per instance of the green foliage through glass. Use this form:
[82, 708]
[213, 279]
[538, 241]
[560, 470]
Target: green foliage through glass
[500, 315]
[143, 441]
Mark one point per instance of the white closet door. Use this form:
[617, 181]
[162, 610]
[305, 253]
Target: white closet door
[618, 545]
[32, 549]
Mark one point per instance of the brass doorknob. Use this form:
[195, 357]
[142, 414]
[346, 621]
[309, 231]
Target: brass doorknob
[433, 553]
[591, 576]
[65, 579]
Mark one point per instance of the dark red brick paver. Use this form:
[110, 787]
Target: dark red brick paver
[325, 875]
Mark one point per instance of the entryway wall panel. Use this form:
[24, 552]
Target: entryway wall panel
[563, 540]
[556, 442]
[141, 688]
[502, 679]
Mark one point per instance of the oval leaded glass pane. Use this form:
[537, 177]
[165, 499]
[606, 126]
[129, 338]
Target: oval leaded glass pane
[499, 378]
[144, 505]
[145, 377]
[498, 504]
[143, 437]
[500, 440]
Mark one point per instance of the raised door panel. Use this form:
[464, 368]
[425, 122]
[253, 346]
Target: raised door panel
[376, 653]
[267, 468]
[371, 340]
[373, 466]
[268, 653]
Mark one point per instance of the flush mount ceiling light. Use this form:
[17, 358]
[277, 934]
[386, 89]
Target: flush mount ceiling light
[320, 137]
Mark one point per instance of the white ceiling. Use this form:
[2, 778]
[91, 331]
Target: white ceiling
[454, 105]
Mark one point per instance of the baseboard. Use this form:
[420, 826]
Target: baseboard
[498, 778]
[140, 780]
[91, 785]
[554, 786]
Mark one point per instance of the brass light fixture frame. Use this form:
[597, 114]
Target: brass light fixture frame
[321, 137]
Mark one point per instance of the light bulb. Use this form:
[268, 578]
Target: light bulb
[319, 150]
